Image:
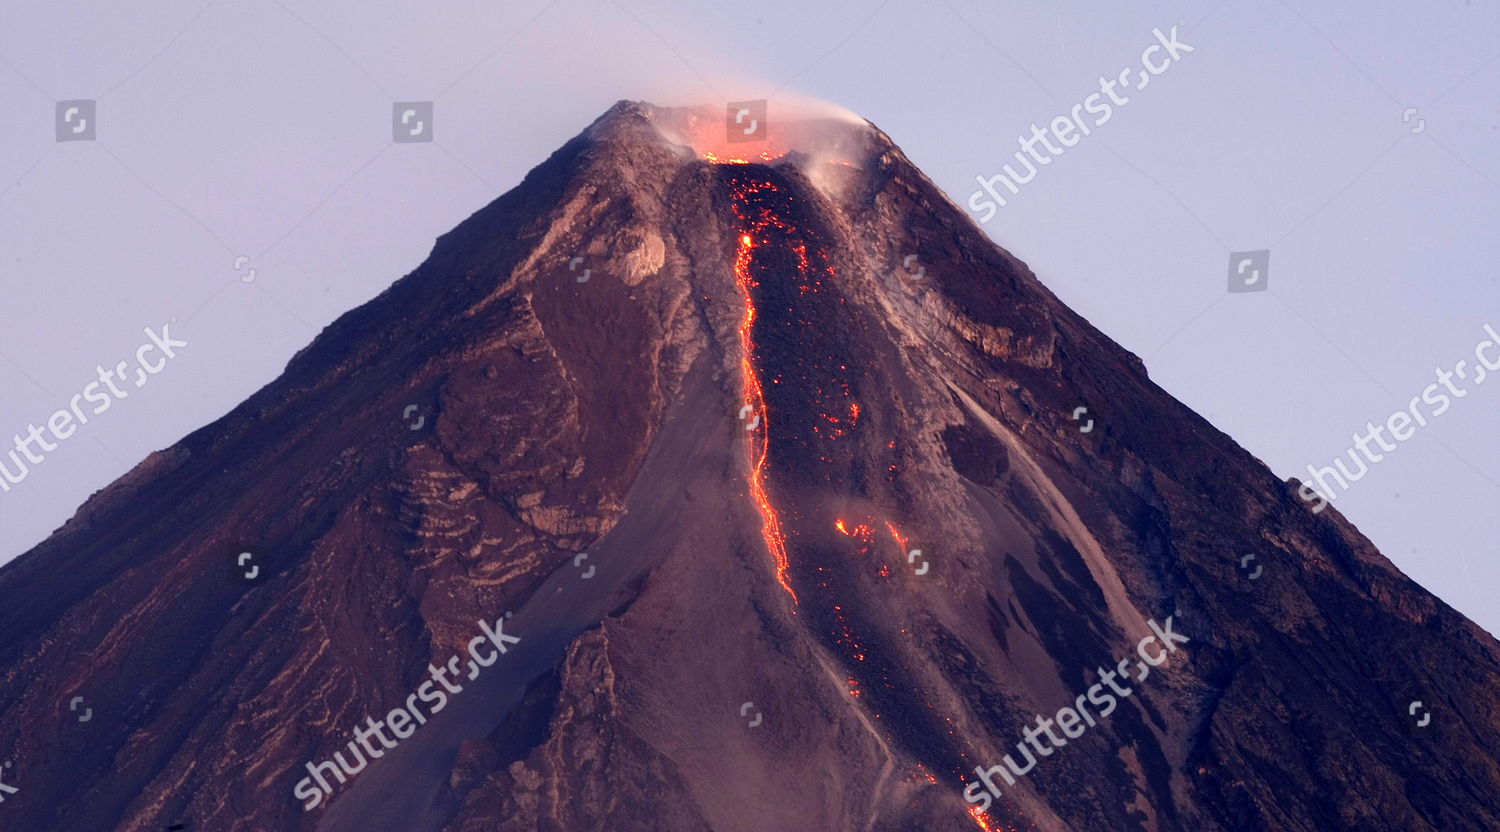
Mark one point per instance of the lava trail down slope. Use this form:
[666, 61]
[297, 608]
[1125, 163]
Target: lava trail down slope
[809, 360]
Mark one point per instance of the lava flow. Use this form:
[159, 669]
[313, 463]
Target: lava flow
[758, 204]
[759, 440]
[803, 370]
[766, 155]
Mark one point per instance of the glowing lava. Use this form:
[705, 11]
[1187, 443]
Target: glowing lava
[766, 155]
[759, 440]
[862, 531]
[798, 345]
[901, 540]
[758, 225]
[981, 819]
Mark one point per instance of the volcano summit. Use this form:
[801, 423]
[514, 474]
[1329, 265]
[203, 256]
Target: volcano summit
[790, 512]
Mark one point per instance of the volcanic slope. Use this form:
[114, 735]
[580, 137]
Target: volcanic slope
[788, 506]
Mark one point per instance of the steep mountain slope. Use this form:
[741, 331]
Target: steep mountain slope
[789, 509]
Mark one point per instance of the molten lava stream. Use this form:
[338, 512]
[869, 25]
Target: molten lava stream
[756, 202]
[759, 440]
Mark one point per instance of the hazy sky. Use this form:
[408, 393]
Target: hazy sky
[262, 129]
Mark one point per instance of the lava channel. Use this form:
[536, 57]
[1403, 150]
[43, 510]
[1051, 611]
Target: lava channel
[811, 365]
[759, 439]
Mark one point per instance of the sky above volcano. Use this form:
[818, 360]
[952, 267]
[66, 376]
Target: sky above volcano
[1356, 144]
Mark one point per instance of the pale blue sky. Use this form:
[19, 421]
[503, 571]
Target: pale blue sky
[262, 129]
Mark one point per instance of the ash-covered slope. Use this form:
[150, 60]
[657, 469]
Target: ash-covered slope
[780, 380]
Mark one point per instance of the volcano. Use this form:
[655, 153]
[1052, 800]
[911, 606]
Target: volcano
[801, 505]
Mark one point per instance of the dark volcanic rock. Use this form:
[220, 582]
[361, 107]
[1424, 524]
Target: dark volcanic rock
[584, 464]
